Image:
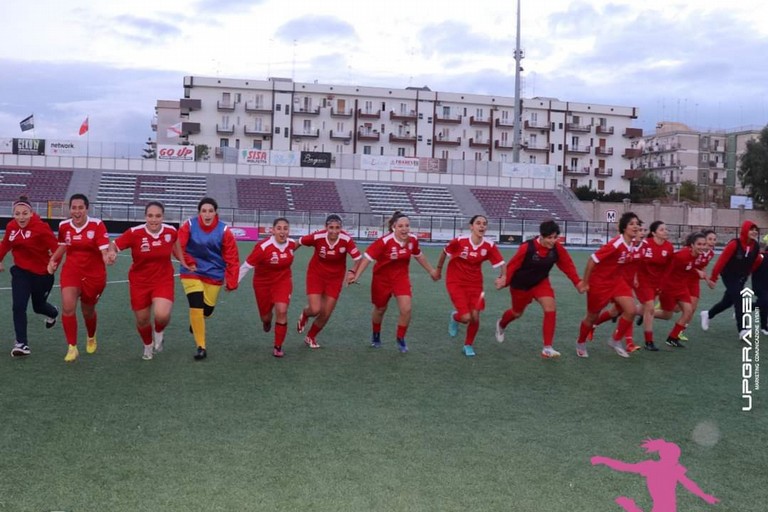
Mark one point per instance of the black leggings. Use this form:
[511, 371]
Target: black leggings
[25, 284]
[731, 297]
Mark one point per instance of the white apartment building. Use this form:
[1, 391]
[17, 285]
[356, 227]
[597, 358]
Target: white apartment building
[588, 143]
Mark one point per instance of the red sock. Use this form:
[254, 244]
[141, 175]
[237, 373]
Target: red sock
[472, 329]
[623, 328]
[457, 317]
[69, 323]
[604, 316]
[90, 325]
[375, 327]
[648, 336]
[313, 330]
[146, 334]
[160, 327]
[584, 331]
[401, 330]
[676, 330]
[280, 332]
[548, 327]
[507, 318]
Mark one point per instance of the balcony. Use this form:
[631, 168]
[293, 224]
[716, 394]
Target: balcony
[187, 104]
[631, 174]
[632, 152]
[716, 165]
[370, 136]
[346, 136]
[252, 106]
[632, 133]
[479, 121]
[504, 123]
[578, 149]
[342, 113]
[402, 139]
[603, 151]
[502, 144]
[577, 171]
[536, 147]
[604, 130]
[153, 124]
[306, 134]
[447, 119]
[603, 172]
[368, 114]
[402, 116]
[306, 111]
[481, 143]
[445, 141]
[188, 128]
[257, 131]
[535, 125]
[227, 130]
[225, 107]
[576, 127]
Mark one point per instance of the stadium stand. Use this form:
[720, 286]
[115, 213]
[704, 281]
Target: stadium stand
[384, 199]
[528, 204]
[287, 194]
[124, 188]
[38, 184]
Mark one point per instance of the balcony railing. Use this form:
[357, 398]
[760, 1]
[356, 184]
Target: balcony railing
[500, 144]
[228, 106]
[188, 128]
[575, 127]
[479, 121]
[480, 143]
[447, 119]
[504, 123]
[535, 147]
[257, 131]
[368, 114]
[189, 104]
[535, 125]
[342, 113]
[366, 135]
[225, 129]
[307, 134]
[604, 130]
[631, 174]
[578, 149]
[632, 133]
[577, 171]
[402, 116]
[603, 151]
[341, 135]
[632, 152]
[307, 111]
[602, 171]
[252, 106]
[402, 139]
[445, 141]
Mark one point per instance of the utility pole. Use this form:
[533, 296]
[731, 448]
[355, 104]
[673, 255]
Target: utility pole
[517, 111]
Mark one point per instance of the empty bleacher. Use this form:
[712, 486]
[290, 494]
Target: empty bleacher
[519, 204]
[384, 199]
[37, 184]
[287, 194]
[139, 189]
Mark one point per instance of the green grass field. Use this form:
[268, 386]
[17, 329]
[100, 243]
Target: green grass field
[350, 428]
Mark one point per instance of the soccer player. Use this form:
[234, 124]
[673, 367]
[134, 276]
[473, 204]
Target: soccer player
[674, 292]
[85, 242]
[740, 257]
[605, 282]
[392, 254]
[150, 277]
[210, 251]
[271, 260]
[325, 275]
[32, 242]
[528, 280]
[464, 278]
[656, 253]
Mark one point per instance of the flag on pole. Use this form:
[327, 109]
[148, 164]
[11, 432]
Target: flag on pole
[83, 127]
[173, 131]
[28, 123]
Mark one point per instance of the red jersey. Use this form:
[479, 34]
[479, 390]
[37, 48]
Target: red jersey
[392, 257]
[654, 261]
[271, 261]
[84, 245]
[151, 253]
[701, 262]
[681, 268]
[609, 260]
[330, 259]
[466, 260]
[32, 246]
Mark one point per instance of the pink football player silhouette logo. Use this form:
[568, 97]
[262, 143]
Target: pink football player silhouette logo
[661, 477]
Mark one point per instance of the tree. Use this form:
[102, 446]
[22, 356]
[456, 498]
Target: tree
[689, 191]
[753, 171]
[201, 152]
[150, 151]
[646, 188]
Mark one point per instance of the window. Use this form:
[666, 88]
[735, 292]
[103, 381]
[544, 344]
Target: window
[479, 135]
[479, 114]
[601, 185]
[534, 118]
[444, 154]
[403, 108]
[307, 126]
[574, 163]
[504, 138]
[285, 132]
[278, 107]
[223, 143]
[478, 156]
[574, 142]
[381, 150]
[446, 111]
[400, 151]
[532, 159]
[366, 150]
[256, 144]
[225, 121]
[237, 143]
[532, 140]
[225, 98]
[287, 111]
[505, 116]
[277, 130]
[237, 97]
[259, 103]
[368, 107]
[574, 184]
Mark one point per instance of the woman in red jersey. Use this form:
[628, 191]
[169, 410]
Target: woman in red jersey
[32, 243]
[528, 280]
[464, 278]
[656, 255]
[271, 260]
[325, 275]
[150, 277]
[701, 263]
[84, 274]
[392, 254]
[674, 292]
[605, 282]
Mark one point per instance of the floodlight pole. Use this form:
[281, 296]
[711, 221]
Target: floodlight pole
[517, 111]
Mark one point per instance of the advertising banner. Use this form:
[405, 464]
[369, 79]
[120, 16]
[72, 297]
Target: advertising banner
[28, 146]
[62, 148]
[6, 145]
[284, 158]
[315, 159]
[253, 156]
[175, 152]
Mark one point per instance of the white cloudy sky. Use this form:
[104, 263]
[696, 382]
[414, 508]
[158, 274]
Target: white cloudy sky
[701, 62]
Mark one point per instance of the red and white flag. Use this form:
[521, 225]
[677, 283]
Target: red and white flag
[173, 131]
[84, 127]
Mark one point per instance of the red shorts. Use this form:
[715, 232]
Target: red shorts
[694, 288]
[383, 289]
[599, 297]
[521, 298]
[91, 287]
[269, 294]
[142, 294]
[330, 286]
[646, 292]
[465, 298]
[670, 297]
